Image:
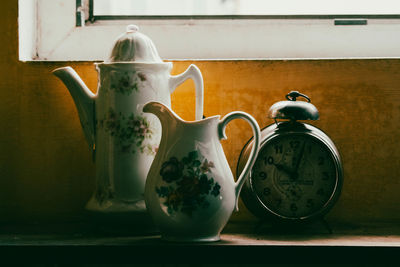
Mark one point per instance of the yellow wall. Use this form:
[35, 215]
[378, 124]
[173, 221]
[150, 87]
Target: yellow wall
[46, 173]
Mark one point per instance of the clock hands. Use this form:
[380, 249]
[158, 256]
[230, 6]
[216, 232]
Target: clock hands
[284, 169]
[292, 172]
[299, 158]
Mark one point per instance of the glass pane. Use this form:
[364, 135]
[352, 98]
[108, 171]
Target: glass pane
[244, 7]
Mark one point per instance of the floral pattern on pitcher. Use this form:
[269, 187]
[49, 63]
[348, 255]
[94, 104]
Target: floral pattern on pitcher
[189, 184]
[130, 132]
[126, 82]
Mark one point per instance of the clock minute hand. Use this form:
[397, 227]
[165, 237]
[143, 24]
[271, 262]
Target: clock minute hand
[299, 158]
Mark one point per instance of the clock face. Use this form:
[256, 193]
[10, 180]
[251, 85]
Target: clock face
[295, 176]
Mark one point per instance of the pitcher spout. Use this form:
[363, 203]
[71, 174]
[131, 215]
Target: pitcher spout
[164, 114]
[83, 99]
[169, 120]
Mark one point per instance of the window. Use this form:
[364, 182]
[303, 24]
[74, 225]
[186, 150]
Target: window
[61, 30]
[242, 7]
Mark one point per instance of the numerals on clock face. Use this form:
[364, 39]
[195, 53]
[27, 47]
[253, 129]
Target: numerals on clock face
[294, 176]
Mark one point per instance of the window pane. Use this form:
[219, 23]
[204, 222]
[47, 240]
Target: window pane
[244, 7]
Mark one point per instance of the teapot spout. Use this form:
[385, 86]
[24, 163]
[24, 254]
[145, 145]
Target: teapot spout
[83, 99]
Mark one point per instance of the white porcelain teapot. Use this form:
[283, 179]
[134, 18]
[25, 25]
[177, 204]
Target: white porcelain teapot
[124, 139]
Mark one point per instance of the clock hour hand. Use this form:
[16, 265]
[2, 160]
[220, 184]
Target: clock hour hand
[286, 170]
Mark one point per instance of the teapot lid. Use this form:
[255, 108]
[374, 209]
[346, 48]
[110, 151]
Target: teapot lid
[294, 110]
[133, 46]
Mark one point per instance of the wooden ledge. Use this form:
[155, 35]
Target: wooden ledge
[368, 245]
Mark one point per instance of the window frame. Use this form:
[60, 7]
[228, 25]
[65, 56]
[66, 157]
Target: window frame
[56, 36]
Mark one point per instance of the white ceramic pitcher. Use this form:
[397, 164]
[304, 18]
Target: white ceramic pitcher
[190, 191]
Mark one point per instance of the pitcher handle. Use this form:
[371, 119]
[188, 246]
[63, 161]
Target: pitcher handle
[194, 73]
[254, 151]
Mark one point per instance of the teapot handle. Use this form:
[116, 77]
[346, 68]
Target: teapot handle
[194, 73]
[254, 151]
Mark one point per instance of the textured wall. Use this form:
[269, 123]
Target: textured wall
[46, 173]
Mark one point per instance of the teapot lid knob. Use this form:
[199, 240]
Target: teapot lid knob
[132, 28]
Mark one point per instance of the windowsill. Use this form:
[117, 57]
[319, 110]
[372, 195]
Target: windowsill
[245, 39]
[371, 243]
[56, 38]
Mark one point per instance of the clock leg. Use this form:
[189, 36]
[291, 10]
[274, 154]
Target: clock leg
[327, 225]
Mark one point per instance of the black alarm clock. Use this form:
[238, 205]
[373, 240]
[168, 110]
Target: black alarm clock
[298, 174]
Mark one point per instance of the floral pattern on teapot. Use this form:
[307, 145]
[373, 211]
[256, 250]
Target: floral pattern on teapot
[129, 131]
[102, 194]
[126, 82]
[189, 183]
